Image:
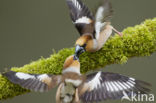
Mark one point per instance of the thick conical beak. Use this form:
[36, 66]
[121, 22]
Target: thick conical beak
[79, 50]
[76, 57]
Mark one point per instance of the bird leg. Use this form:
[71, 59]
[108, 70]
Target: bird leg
[76, 99]
[119, 33]
[58, 94]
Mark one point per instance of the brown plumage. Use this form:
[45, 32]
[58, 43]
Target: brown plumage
[70, 62]
[73, 86]
[44, 82]
[94, 30]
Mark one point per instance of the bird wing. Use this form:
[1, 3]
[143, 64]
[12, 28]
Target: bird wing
[81, 17]
[34, 82]
[105, 85]
[102, 17]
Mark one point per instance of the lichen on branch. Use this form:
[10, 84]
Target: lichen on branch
[137, 41]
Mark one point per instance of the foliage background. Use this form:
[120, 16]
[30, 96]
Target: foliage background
[30, 29]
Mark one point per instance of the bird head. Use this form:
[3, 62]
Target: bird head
[83, 44]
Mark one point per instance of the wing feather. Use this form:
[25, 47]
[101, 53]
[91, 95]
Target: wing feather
[81, 16]
[102, 16]
[34, 82]
[106, 85]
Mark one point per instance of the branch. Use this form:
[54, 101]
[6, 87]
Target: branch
[137, 41]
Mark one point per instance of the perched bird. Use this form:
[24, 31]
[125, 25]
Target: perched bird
[73, 86]
[94, 31]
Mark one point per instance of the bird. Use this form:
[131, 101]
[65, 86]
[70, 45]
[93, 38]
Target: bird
[94, 30]
[93, 87]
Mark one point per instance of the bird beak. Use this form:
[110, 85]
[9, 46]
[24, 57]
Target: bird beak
[79, 50]
[76, 57]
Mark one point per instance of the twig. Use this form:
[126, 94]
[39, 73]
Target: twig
[137, 41]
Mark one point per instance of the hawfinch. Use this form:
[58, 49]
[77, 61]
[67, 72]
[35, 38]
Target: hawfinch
[94, 30]
[94, 87]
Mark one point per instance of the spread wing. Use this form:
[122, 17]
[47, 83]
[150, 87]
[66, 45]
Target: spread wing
[34, 82]
[104, 85]
[81, 16]
[102, 17]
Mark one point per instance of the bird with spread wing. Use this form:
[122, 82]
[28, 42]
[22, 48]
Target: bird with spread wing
[94, 87]
[73, 86]
[94, 30]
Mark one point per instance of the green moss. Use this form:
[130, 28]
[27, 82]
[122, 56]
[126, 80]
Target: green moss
[137, 41]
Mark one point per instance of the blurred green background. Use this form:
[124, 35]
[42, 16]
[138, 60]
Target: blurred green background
[30, 29]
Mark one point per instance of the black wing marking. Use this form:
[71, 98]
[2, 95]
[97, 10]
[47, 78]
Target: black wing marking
[81, 16]
[34, 82]
[105, 85]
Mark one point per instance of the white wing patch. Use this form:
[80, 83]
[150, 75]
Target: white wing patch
[118, 86]
[98, 26]
[102, 84]
[99, 14]
[98, 23]
[131, 84]
[111, 86]
[95, 81]
[114, 86]
[84, 20]
[42, 77]
[132, 79]
[107, 87]
[124, 87]
[24, 76]
[76, 3]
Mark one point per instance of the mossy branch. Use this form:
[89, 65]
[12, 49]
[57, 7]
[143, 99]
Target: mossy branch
[137, 41]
